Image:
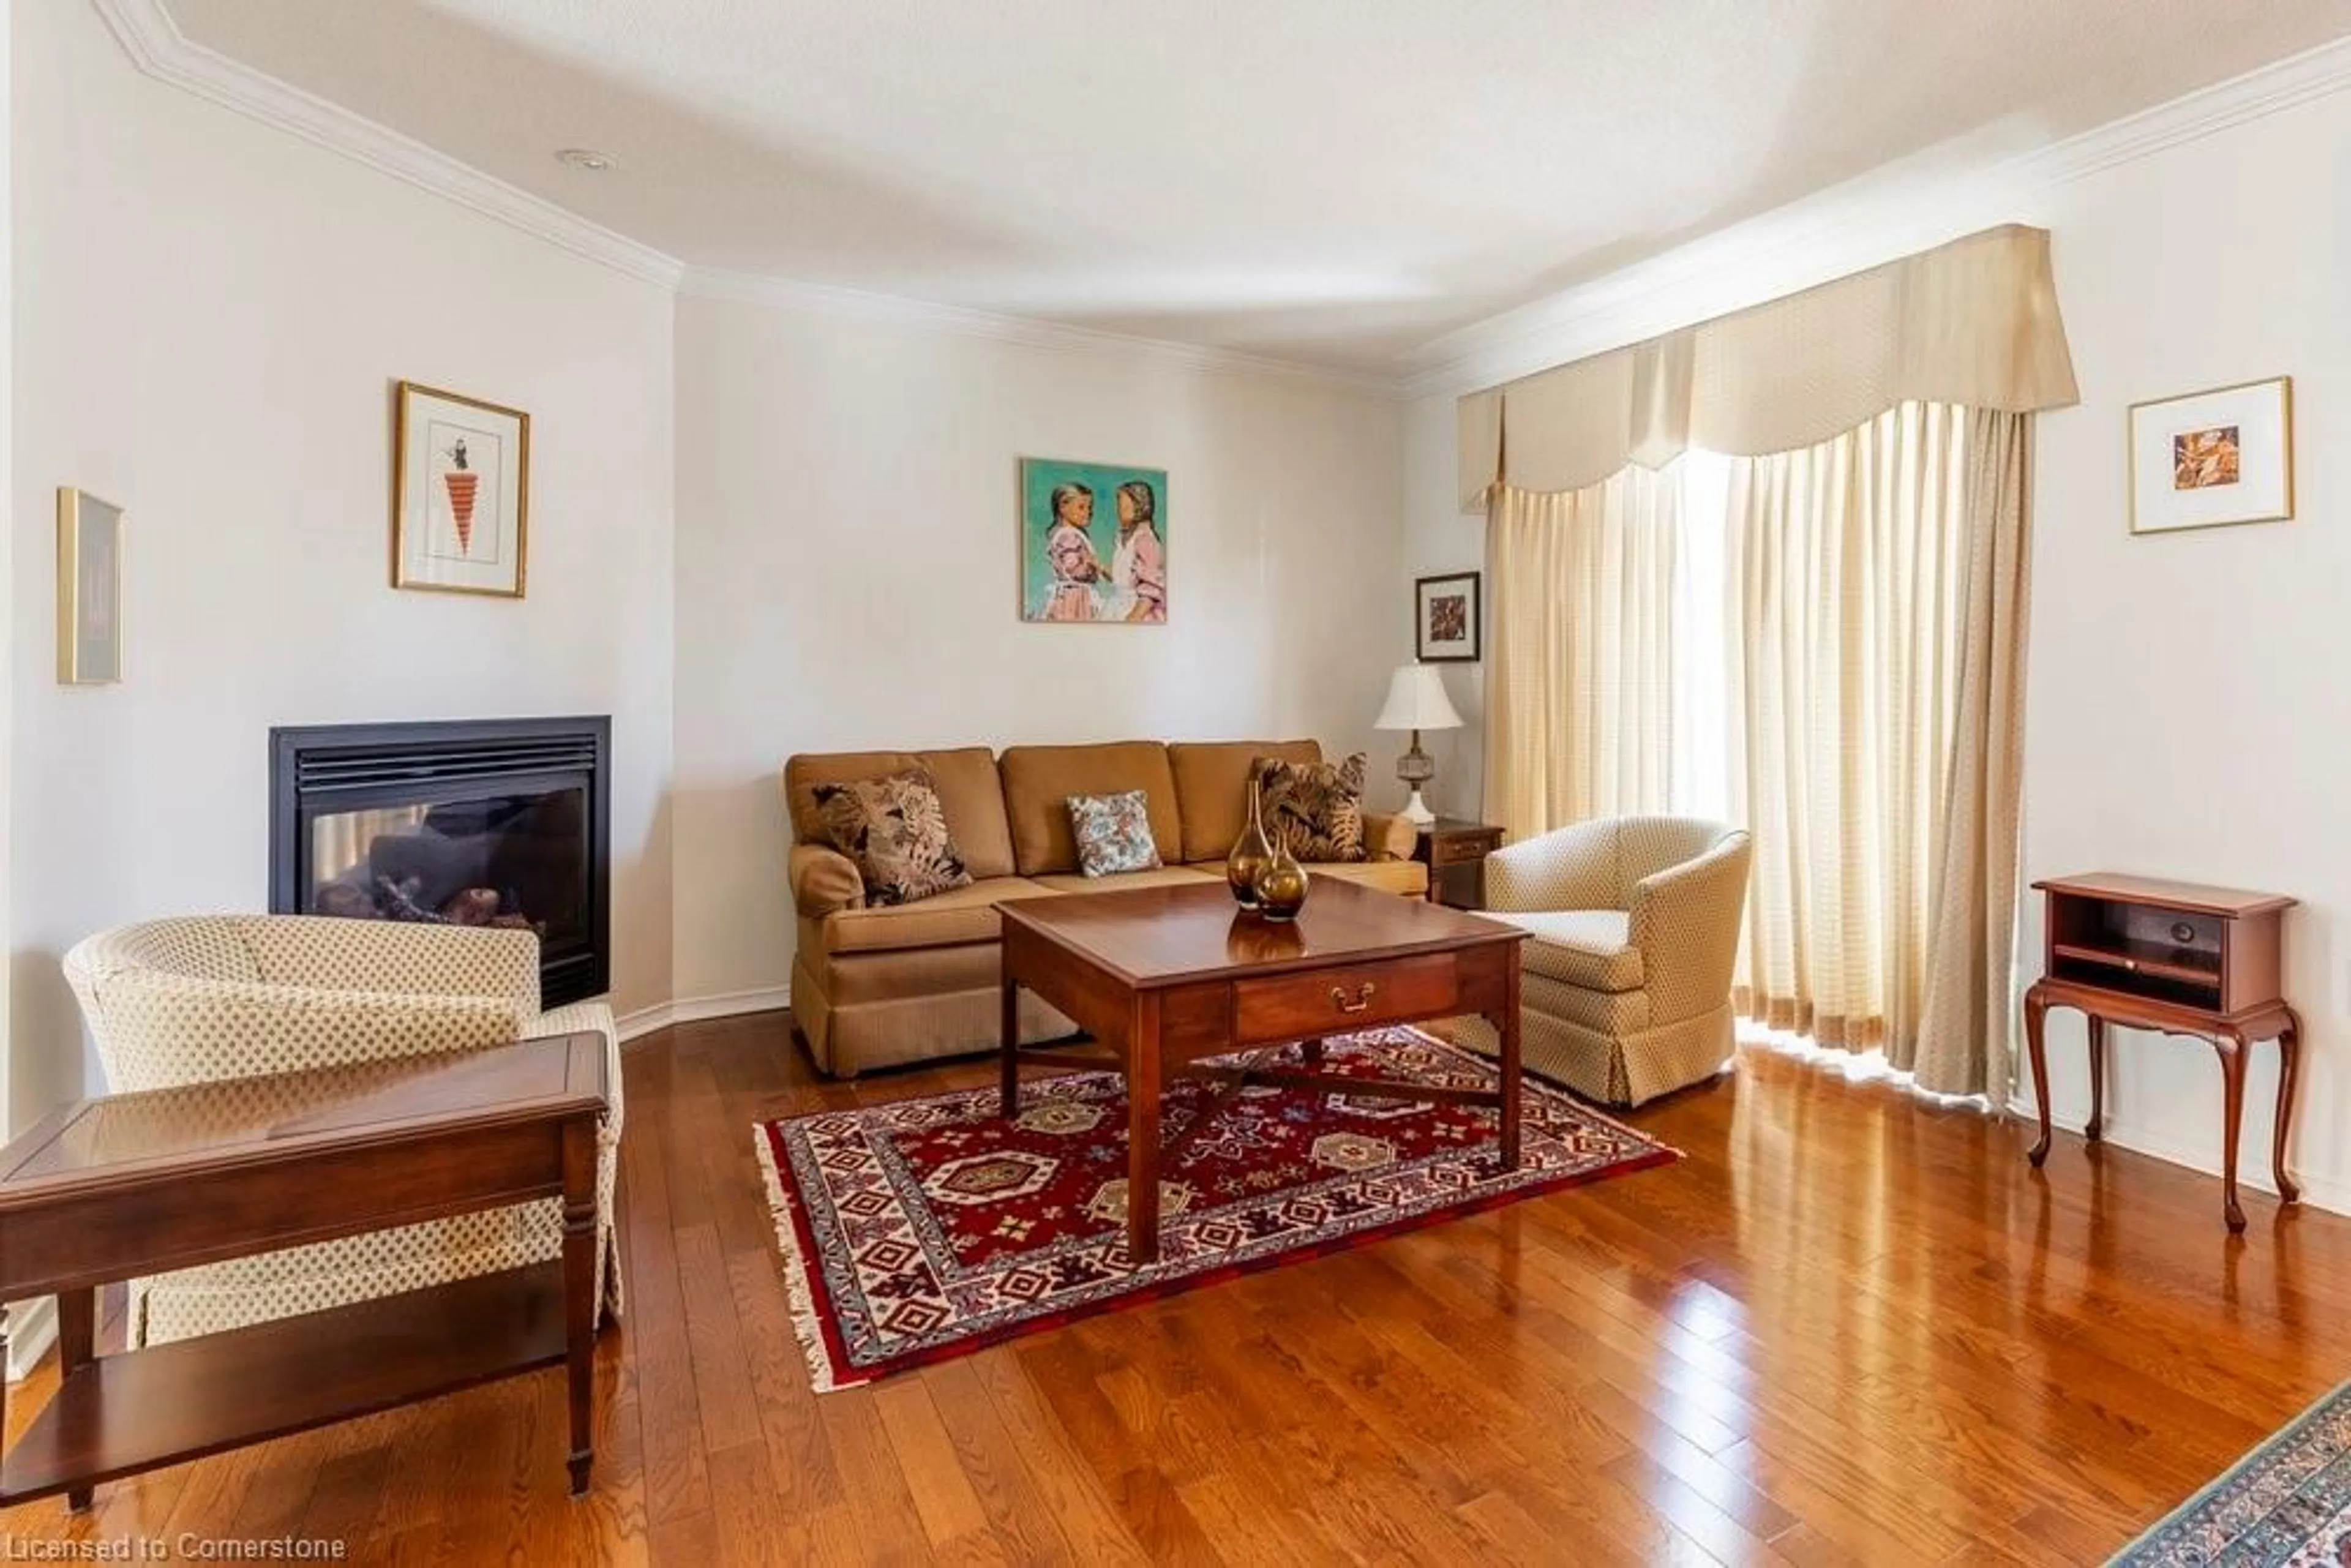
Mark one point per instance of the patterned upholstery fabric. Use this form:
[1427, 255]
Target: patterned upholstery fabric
[1113, 832]
[1634, 924]
[1588, 947]
[895, 832]
[1317, 808]
[196, 1000]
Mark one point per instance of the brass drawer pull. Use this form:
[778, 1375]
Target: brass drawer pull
[1362, 998]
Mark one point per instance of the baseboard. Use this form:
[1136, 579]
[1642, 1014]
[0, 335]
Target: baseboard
[32, 1330]
[2320, 1190]
[695, 1009]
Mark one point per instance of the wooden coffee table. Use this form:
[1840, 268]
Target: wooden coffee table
[1164, 978]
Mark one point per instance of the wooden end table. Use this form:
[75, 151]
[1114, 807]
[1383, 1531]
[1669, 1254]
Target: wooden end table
[2171, 957]
[1164, 977]
[125, 1186]
[1452, 842]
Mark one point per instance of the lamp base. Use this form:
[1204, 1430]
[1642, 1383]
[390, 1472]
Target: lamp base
[1416, 811]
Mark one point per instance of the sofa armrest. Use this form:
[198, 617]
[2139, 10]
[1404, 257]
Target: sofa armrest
[1568, 868]
[1686, 921]
[1389, 836]
[824, 881]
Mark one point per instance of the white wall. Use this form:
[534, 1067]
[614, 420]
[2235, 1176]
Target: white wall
[2187, 705]
[209, 316]
[2188, 714]
[1440, 538]
[847, 571]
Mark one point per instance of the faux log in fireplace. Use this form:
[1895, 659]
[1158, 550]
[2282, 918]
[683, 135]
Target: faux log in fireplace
[475, 822]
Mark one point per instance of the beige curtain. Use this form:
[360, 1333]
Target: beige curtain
[1580, 689]
[1878, 607]
[1973, 322]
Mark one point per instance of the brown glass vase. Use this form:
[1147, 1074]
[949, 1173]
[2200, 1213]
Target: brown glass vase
[1281, 887]
[1252, 853]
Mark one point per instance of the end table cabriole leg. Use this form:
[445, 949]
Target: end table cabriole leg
[1310, 1051]
[1143, 1086]
[580, 1243]
[2097, 1030]
[2233, 1051]
[2036, 1014]
[2289, 1070]
[1008, 1041]
[76, 1348]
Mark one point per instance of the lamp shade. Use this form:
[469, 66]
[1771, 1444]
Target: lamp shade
[1417, 700]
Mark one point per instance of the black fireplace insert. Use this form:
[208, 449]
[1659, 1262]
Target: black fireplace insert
[500, 822]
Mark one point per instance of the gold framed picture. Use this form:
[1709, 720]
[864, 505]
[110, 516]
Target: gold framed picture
[89, 588]
[2212, 459]
[460, 493]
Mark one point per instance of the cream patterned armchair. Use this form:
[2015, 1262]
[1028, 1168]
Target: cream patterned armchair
[1634, 924]
[191, 1000]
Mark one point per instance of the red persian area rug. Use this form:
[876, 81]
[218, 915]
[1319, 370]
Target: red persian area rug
[929, 1229]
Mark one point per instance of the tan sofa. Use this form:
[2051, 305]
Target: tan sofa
[877, 986]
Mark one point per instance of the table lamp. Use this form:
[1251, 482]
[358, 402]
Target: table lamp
[1417, 701]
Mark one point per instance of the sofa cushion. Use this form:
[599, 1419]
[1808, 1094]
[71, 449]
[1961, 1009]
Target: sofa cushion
[1410, 878]
[947, 919]
[1040, 779]
[893, 829]
[1212, 787]
[1128, 880]
[1586, 947]
[969, 793]
[1113, 833]
[1316, 808]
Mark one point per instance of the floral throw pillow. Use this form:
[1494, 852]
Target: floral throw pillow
[896, 831]
[1315, 808]
[1113, 832]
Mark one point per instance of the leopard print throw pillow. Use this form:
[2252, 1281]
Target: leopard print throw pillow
[895, 830]
[1317, 808]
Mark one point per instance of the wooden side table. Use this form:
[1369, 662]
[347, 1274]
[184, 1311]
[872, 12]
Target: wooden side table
[129, 1184]
[1451, 843]
[2175, 959]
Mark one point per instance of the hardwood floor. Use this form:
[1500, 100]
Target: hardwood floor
[1849, 1327]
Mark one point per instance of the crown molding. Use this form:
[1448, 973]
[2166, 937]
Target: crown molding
[1860, 224]
[1857, 225]
[1026, 331]
[158, 47]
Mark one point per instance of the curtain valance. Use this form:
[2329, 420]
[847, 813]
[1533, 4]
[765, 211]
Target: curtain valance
[1973, 322]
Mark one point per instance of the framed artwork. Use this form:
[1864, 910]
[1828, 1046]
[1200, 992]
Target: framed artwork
[2211, 459]
[1093, 542]
[460, 493]
[1450, 619]
[89, 588]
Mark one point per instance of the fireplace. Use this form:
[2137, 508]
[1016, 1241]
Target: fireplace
[503, 822]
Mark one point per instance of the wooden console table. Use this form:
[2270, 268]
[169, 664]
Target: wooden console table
[2177, 958]
[131, 1185]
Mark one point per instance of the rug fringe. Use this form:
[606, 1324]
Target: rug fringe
[806, 1322]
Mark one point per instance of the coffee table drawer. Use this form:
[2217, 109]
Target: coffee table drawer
[1331, 1001]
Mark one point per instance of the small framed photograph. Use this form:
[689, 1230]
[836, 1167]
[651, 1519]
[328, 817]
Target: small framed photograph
[460, 493]
[2211, 459]
[89, 588]
[1450, 619]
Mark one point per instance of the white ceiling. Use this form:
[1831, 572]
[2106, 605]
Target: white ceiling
[1332, 180]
